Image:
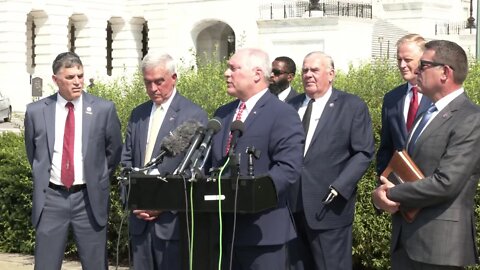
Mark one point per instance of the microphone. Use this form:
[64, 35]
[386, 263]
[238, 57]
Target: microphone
[177, 142]
[193, 145]
[236, 130]
[213, 127]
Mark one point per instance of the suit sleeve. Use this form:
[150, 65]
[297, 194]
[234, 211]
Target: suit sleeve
[457, 165]
[113, 140]
[362, 148]
[286, 142]
[127, 154]
[29, 133]
[385, 149]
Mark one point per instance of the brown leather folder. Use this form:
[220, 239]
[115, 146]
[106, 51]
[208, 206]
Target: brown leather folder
[401, 169]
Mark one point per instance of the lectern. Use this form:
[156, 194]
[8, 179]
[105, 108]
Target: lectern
[245, 194]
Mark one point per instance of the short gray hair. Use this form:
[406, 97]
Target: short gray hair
[154, 59]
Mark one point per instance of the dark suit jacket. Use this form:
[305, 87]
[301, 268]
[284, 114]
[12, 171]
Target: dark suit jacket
[340, 152]
[393, 135]
[274, 128]
[101, 146]
[133, 154]
[447, 152]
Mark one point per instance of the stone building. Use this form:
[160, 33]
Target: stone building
[111, 37]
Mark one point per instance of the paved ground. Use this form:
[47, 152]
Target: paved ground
[15, 125]
[25, 262]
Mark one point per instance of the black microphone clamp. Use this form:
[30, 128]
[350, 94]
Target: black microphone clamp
[252, 152]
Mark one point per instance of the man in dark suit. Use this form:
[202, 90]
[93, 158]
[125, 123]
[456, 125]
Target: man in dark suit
[444, 144]
[404, 103]
[339, 147]
[73, 142]
[273, 128]
[155, 235]
[283, 73]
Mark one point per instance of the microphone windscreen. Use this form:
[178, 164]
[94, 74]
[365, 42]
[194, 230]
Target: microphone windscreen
[238, 125]
[214, 124]
[179, 140]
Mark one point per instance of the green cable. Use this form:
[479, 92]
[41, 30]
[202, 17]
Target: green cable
[192, 226]
[220, 224]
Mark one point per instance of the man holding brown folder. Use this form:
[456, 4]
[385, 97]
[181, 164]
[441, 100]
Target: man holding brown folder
[444, 144]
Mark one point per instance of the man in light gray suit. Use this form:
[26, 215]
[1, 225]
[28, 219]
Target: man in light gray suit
[444, 143]
[155, 235]
[73, 142]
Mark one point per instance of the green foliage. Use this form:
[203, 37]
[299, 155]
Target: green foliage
[206, 87]
[15, 196]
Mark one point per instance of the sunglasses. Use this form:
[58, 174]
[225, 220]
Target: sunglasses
[424, 64]
[277, 72]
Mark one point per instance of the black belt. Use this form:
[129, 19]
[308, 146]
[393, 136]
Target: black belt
[72, 189]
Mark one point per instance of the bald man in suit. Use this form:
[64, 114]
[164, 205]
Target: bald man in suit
[73, 143]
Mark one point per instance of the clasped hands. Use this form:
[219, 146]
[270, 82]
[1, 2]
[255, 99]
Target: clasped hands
[147, 215]
[379, 197]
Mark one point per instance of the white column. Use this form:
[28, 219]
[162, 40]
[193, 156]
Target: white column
[13, 55]
[91, 44]
[51, 40]
[126, 50]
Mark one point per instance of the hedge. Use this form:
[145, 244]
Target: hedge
[206, 87]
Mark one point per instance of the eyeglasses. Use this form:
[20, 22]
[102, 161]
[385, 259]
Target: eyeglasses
[424, 64]
[277, 72]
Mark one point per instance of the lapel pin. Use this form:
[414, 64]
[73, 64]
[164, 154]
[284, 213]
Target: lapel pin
[171, 118]
[89, 110]
[331, 105]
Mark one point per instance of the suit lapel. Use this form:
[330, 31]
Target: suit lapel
[441, 118]
[88, 115]
[49, 118]
[327, 113]
[424, 104]
[168, 124]
[252, 115]
[400, 116]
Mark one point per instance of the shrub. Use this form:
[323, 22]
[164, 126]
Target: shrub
[206, 87]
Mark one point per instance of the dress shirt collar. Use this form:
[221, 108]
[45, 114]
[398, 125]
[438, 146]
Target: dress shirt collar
[165, 105]
[322, 99]
[444, 101]
[283, 95]
[76, 102]
[250, 103]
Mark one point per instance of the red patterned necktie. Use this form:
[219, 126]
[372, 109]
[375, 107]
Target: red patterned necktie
[238, 117]
[67, 171]
[412, 109]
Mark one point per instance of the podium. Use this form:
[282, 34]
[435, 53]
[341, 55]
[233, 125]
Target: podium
[252, 195]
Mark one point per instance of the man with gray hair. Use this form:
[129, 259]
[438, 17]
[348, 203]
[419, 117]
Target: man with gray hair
[155, 235]
[339, 147]
[274, 129]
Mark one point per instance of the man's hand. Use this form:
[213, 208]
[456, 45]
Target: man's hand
[379, 196]
[147, 215]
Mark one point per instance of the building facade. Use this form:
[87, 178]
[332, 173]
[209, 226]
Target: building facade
[111, 37]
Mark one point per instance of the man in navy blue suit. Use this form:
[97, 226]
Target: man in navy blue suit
[155, 235]
[402, 104]
[274, 128]
[339, 147]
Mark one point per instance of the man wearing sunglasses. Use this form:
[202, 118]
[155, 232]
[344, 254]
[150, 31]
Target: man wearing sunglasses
[283, 73]
[444, 143]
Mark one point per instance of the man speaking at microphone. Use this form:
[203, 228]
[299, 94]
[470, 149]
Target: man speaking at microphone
[155, 234]
[275, 129]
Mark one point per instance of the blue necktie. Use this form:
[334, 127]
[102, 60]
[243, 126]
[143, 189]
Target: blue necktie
[420, 127]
